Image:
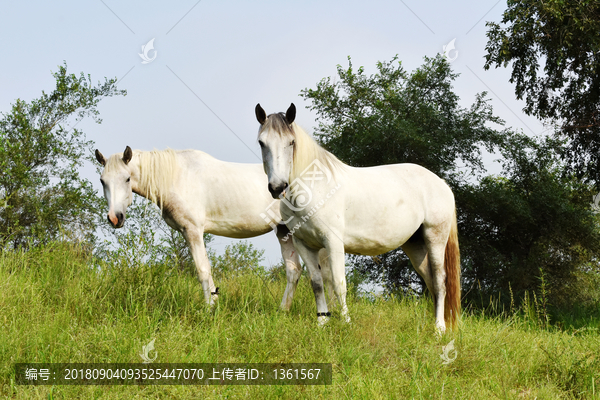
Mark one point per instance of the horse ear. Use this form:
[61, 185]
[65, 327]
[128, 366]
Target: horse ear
[290, 114]
[100, 158]
[261, 115]
[127, 154]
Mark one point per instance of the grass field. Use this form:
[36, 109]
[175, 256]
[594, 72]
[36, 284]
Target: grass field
[54, 307]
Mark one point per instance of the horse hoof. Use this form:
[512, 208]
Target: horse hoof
[346, 315]
[440, 330]
[210, 307]
[322, 321]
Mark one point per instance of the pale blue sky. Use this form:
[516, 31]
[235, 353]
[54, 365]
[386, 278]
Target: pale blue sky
[216, 60]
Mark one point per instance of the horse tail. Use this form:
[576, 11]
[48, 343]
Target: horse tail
[452, 266]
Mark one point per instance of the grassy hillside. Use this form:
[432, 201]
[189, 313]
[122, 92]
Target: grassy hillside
[55, 307]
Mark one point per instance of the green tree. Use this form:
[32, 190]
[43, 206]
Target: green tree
[238, 257]
[43, 194]
[532, 216]
[554, 51]
[531, 221]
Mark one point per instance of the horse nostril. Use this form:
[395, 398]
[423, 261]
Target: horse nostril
[277, 188]
[274, 190]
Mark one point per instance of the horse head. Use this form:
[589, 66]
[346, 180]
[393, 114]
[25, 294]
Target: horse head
[276, 139]
[116, 183]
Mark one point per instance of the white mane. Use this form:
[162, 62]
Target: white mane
[306, 150]
[158, 169]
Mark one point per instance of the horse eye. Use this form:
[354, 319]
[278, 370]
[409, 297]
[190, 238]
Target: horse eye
[261, 144]
[128, 179]
[101, 181]
[293, 143]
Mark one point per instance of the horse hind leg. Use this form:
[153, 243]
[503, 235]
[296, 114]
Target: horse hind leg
[436, 247]
[417, 253]
[427, 257]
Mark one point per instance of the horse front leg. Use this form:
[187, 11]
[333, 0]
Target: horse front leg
[293, 268]
[195, 240]
[327, 277]
[337, 264]
[311, 259]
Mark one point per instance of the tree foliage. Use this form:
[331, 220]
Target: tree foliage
[554, 51]
[531, 219]
[238, 258]
[41, 189]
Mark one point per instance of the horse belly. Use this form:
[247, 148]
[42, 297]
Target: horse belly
[375, 243]
[238, 228]
[242, 214]
[376, 231]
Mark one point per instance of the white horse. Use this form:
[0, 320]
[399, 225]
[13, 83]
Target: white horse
[199, 194]
[365, 211]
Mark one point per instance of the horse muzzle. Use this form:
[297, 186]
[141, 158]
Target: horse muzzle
[116, 220]
[277, 189]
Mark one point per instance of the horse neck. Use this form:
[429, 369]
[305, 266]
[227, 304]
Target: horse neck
[147, 185]
[134, 168]
[307, 151]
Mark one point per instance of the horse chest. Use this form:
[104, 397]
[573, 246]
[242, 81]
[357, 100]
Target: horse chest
[306, 227]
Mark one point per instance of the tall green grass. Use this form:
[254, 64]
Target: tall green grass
[58, 305]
